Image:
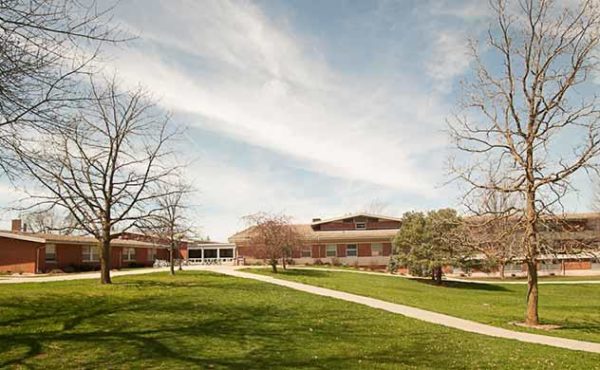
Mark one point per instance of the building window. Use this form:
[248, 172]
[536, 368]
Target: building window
[226, 253]
[361, 225]
[330, 250]
[151, 254]
[351, 250]
[50, 253]
[90, 253]
[377, 249]
[128, 254]
[306, 252]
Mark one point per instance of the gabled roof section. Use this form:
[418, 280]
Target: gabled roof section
[359, 214]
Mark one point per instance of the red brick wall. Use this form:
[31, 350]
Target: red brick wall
[341, 250]
[141, 256]
[387, 249]
[383, 225]
[316, 252]
[364, 250]
[579, 265]
[163, 254]
[115, 257]
[333, 226]
[68, 255]
[17, 255]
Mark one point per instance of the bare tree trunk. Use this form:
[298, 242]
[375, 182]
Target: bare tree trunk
[283, 262]
[105, 261]
[171, 261]
[532, 294]
[438, 275]
[502, 267]
[531, 241]
[274, 265]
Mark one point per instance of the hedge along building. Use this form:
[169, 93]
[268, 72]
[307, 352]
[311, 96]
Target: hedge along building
[24, 252]
[359, 239]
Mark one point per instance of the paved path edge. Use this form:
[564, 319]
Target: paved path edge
[423, 315]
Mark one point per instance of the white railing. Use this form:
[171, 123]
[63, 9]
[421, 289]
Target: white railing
[209, 261]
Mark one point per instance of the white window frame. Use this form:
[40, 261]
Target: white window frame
[364, 225]
[129, 256]
[327, 247]
[355, 250]
[152, 254]
[304, 250]
[53, 247]
[93, 253]
[380, 247]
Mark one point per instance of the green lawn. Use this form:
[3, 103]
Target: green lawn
[201, 320]
[576, 308]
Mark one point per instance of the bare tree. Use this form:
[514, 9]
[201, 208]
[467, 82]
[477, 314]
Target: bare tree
[494, 229]
[376, 207]
[170, 223]
[46, 46]
[106, 167]
[274, 237]
[515, 113]
[50, 221]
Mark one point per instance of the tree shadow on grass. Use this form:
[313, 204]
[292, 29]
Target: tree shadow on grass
[85, 325]
[461, 285]
[303, 272]
[292, 272]
[236, 324]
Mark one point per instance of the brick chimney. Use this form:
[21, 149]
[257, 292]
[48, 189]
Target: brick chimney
[15, 225]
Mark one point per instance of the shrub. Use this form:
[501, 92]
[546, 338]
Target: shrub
[136, 264]
[81, 268]
[374, 266]
[336, 262]
[393, 265]
[318, 262]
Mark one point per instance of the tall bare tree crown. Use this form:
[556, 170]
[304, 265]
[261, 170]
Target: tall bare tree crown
[522, 114]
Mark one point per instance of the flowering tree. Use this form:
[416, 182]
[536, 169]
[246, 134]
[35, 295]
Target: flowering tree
[274, 237]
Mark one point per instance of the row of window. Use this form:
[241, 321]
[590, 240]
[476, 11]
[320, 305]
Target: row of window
[351, 250]
[92, 254]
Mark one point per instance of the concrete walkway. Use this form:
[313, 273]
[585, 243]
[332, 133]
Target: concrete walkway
[423, 315]
[88, 275]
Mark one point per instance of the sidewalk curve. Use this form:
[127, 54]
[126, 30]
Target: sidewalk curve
[423, 315]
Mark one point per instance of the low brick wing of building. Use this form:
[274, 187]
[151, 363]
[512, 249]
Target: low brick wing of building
[23, 252]
[356, 240]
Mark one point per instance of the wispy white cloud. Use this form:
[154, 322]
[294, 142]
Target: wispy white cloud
[450, 58]
[254, 80]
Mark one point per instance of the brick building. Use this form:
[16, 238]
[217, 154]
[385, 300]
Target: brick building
[23, 252]
[360, 239]
[366, 240]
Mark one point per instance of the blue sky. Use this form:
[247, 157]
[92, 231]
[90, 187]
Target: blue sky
[312, 108]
